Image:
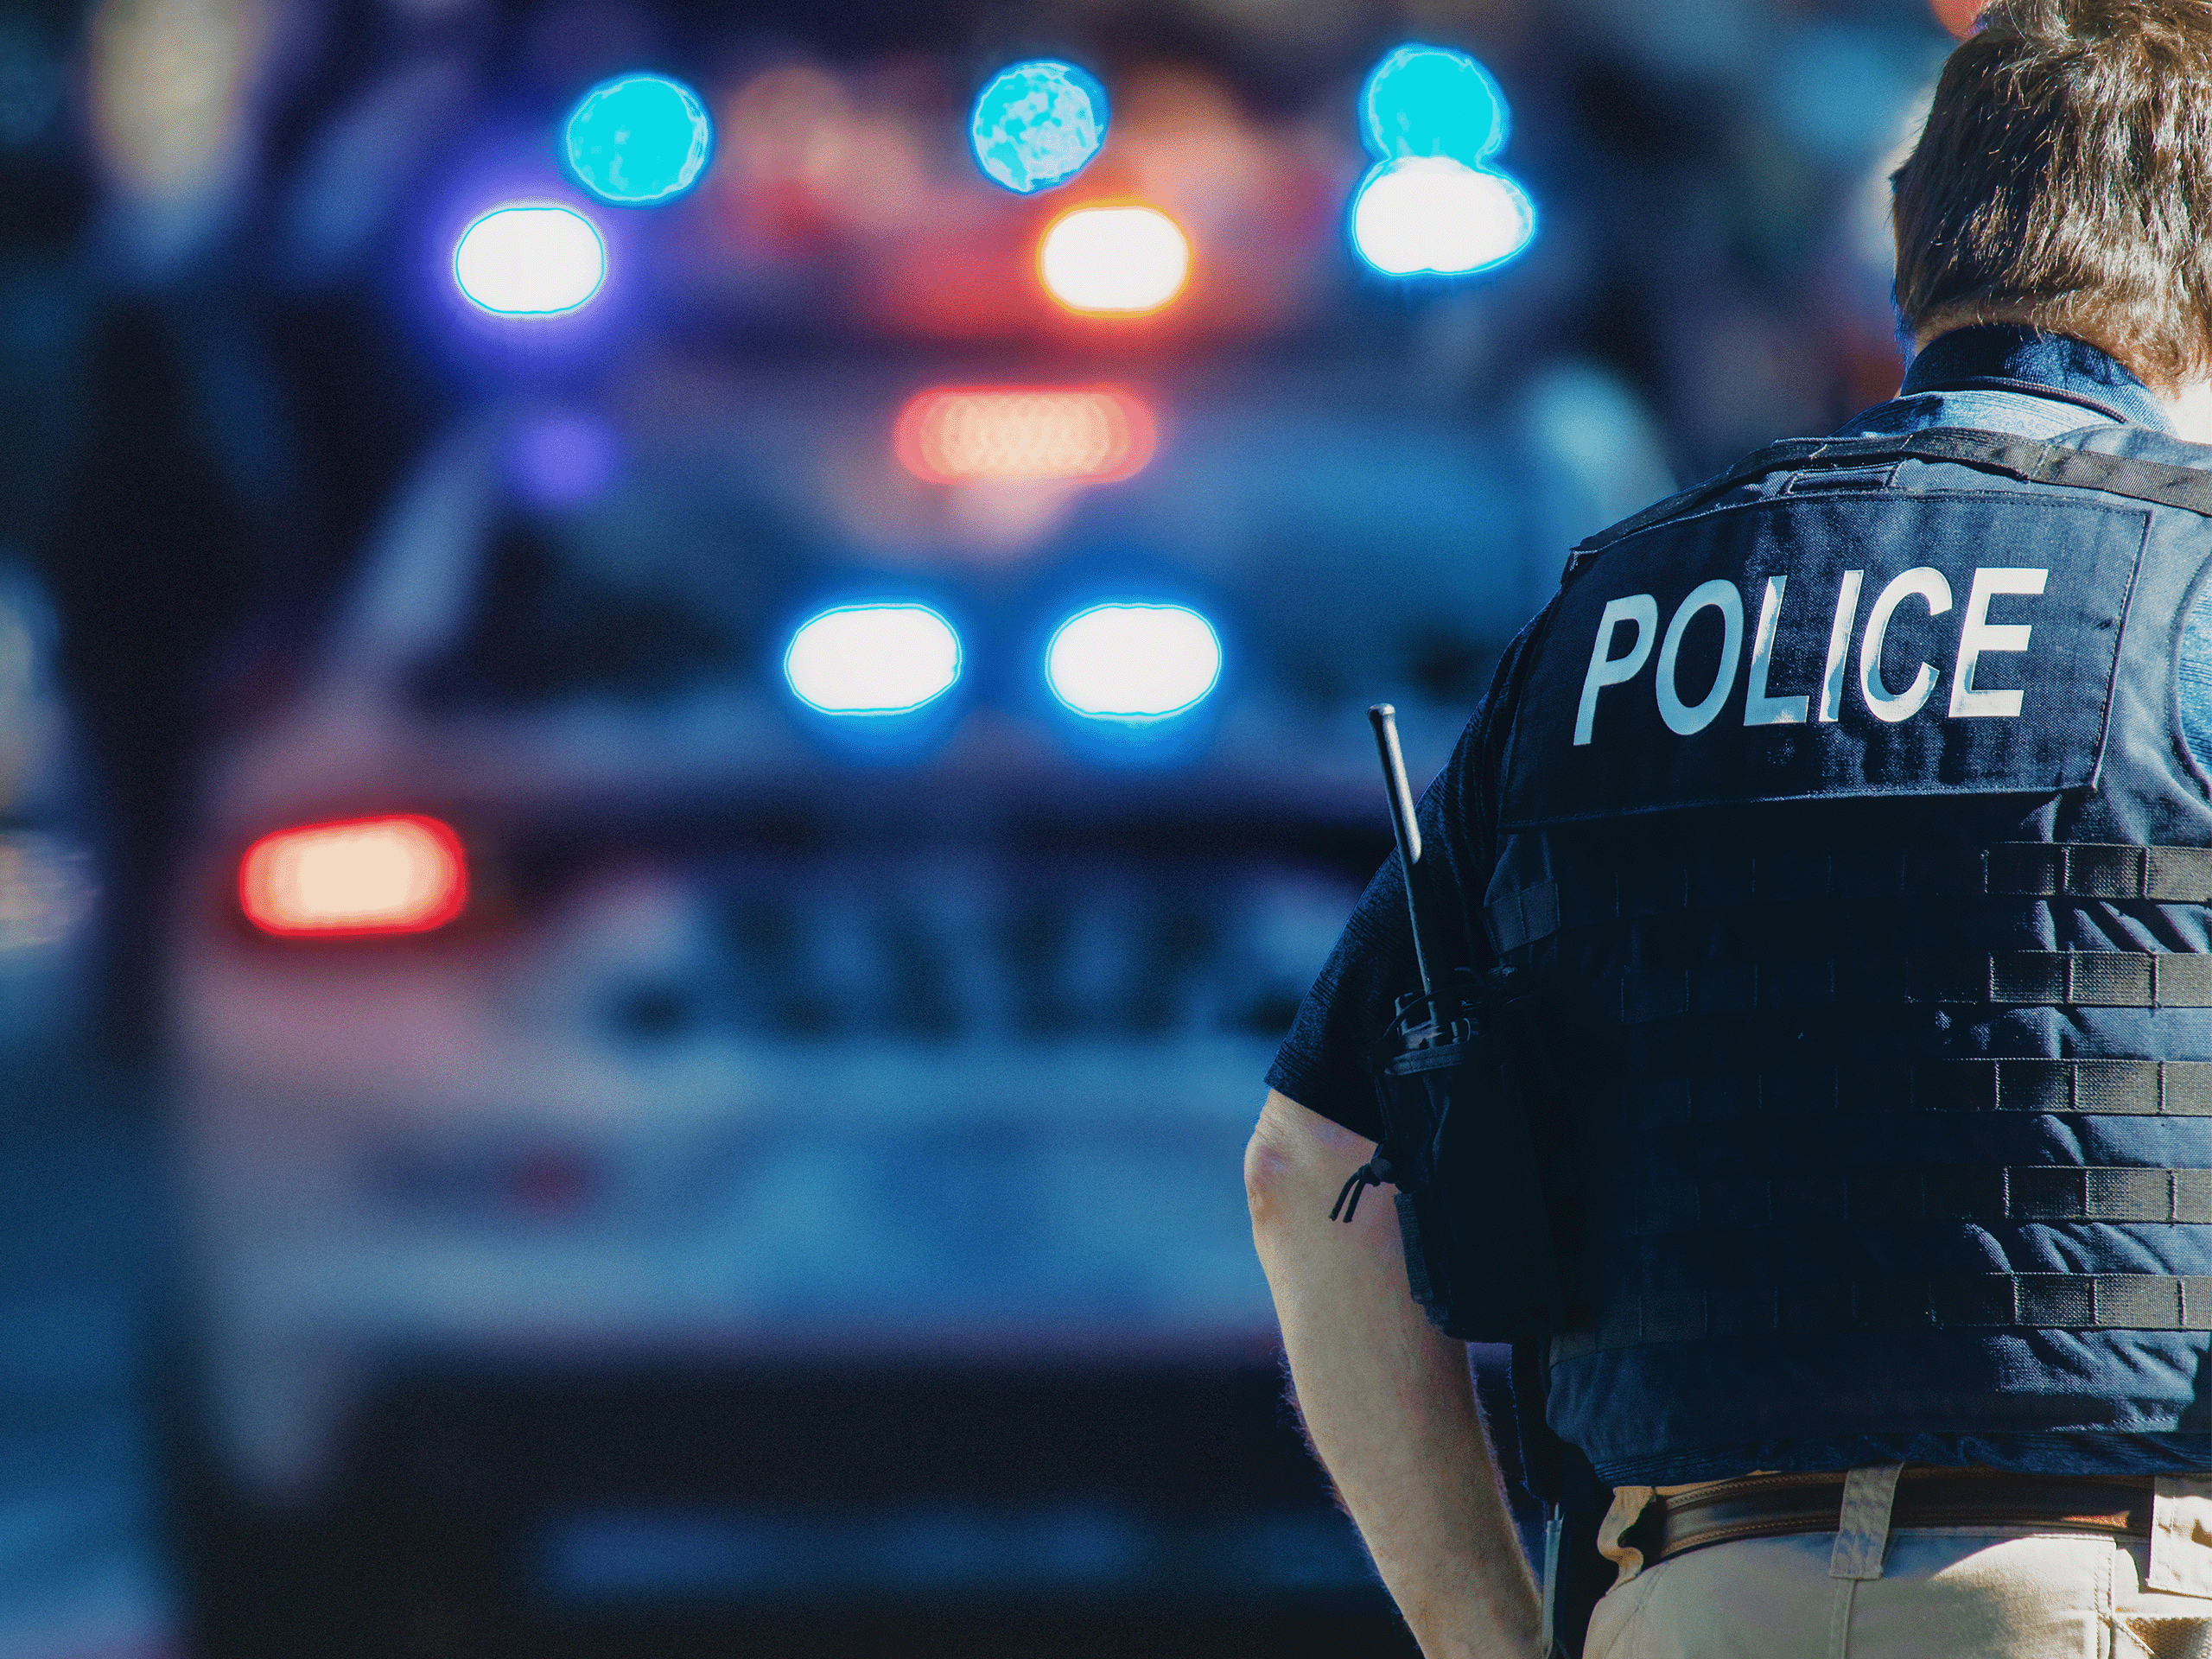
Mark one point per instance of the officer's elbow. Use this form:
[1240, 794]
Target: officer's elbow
[1294, 1154]
[1267, 1169]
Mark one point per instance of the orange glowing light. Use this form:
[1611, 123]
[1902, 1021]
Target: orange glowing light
[1114, 259]
[965, 434]
[1959, 16]
[402, 875]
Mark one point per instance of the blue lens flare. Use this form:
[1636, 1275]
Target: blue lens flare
[529, 261]
[1429, 100]
[639, 141]
[872, 660]
[1038, 124]
[1133, 662]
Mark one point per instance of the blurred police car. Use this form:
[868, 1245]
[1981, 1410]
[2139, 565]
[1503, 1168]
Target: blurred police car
[589, 972]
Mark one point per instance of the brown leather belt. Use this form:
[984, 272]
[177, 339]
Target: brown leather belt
[1774, 1506]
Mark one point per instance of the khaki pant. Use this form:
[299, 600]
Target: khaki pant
[1937, 1592]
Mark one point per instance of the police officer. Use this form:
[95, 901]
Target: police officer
[1836, 848]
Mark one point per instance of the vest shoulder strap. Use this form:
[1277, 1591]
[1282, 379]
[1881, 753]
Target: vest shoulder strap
[2025, 460]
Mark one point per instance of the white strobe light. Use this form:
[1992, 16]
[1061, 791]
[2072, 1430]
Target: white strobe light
[872, 660]
[1431, 213]
[1133, 662]
[530, 262]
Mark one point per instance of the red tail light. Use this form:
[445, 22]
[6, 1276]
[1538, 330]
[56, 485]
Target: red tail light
[965, 433]
[403, 874]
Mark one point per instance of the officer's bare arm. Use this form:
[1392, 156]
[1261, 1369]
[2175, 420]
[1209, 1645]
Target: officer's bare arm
[1387, 1399]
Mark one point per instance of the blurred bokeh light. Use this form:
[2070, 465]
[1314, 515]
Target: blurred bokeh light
[1133, 662]
[404, 875]
[1427, 100]
[1959, 16]
[1433, 214]
[48, 888]
[640, 140]
[530, 261]
[1038, 124]
[167, 87]
[1433, 205]
[872, 660]
[1126, 259]
[962, 434]
[564, 458]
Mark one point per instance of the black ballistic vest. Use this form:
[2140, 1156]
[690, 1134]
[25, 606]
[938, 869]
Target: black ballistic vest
[1853, 857]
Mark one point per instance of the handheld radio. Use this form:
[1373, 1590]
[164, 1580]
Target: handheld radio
[1456, 1142]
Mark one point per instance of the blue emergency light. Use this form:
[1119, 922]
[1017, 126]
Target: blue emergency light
[1038, 124]
[1433, 204]
[638, 141]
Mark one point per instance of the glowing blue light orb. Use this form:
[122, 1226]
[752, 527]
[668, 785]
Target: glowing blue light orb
[1133, 662]
[1038, 124]
[1428, 215]
[1429, 100]
[872, 660]
[530, 262]
[640, 140]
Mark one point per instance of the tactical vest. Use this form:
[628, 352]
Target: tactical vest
[1856, 869]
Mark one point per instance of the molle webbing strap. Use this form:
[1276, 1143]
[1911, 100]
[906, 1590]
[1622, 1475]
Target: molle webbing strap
[2088, 1088]
[2021, 458]
[2179, 876]
[1826, 1307]
[2065, 979]
[1975, 1192]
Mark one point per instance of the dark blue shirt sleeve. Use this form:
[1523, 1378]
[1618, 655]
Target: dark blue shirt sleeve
[1324, 1064]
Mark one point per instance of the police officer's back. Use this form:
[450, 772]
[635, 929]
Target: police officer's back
[1834, 854]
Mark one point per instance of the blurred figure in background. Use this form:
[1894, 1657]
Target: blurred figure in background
[81, 1251]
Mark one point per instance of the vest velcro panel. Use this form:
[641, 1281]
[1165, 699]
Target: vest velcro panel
[1987, 1192]
[2022, 869]
[2087, 1088]
[2057, 1302]
[2081, 979]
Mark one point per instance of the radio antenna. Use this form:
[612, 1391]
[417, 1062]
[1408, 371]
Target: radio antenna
[1383, 717]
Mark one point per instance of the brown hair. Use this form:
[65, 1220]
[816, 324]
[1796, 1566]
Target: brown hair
[2064, 178]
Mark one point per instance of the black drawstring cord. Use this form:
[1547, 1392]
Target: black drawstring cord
[1375, 1172]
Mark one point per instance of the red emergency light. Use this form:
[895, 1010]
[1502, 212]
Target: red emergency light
[361, 876]
[966, 435]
